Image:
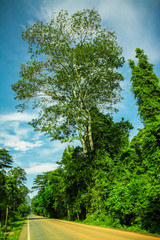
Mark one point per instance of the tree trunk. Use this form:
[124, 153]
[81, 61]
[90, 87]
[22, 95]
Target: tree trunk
[90, 133]
[6, 218]
[83, 142]
[84, 146]
[68, 212]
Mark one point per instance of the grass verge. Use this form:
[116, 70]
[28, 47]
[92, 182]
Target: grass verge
[15, 228]
[135, 229]
[98, 223]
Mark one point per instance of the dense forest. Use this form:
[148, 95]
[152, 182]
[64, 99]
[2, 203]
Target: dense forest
[13, 192]
[117, 184]
[72, 78]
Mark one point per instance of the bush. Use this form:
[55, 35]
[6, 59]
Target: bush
[3, 235]
[100, 219]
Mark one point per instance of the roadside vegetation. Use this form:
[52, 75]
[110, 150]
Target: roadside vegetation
[15, 228]
[73, 80]
[13, 192]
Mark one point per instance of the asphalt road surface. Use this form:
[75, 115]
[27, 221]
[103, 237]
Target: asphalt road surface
[40, 228]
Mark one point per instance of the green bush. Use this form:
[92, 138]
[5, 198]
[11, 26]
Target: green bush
[3, 235]
[100, 219]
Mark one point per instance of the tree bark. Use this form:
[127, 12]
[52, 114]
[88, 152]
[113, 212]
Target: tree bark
[6, 218]
[90, 133]
[68, 212]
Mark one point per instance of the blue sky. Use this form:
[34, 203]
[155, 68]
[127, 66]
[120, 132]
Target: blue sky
[137, 24]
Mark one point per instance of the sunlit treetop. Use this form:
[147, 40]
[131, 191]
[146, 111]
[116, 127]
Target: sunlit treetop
[73, 67]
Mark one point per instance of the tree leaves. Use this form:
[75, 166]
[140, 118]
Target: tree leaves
[73, 67]
[5, 159]
[146, 87]
[12, 188]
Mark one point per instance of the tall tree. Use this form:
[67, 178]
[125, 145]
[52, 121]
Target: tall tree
[16, 190]
[72, 68]
[77, 176]
[12, 194]
[146, 87]
[19, 174]
[5, 159]
[109, 135]
[50, 198]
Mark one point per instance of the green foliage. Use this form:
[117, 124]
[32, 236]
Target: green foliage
[23, 209]
[118, 183]
[5, 159]
[50, 199]
[3, 235]
[85, 180]
[16, 227]
[102, 219]
[76, 186]
[73, 67]
[145, 86]
[108, 135]
[12, 191]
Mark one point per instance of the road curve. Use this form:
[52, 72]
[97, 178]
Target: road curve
[40, 228]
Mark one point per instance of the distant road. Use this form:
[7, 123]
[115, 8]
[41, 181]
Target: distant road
[40, 228]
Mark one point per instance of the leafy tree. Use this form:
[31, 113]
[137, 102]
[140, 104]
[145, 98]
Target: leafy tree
[56, 192]
[13, 194]
[38, 206]
[77, 177]
[23, 209]
[5, 159]
[103, 173]
[72, 68]
[5, 162]
[109, 135]
[146, 87]
[85, 180]
[16, 191]
[3, 198]
[19, 174]
[50, 199]
[40, 182]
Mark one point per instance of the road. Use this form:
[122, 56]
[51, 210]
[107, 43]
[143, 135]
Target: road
[40, 228]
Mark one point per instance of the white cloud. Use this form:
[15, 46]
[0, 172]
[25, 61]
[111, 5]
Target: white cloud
[16, 116]
[129, 21]
[50, 152]
[132, 23]
[58, 146]
[15, 142]
[50, 6]
[40, 168]
[16, 134]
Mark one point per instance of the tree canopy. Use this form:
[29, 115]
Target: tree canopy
[118, 184]
[72, 79]
[73, 67]
[13, 192]
[5, 159]
[146, 87]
